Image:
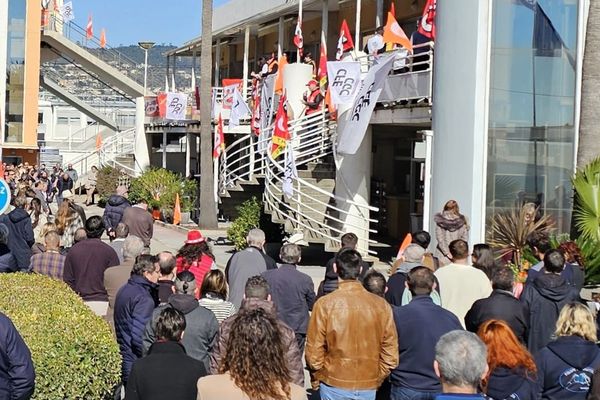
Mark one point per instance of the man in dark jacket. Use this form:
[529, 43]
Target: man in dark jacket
[257, 296]
[20, 233]
[544, 298]
[202, 326]
[419, 324]
[17, 375]
[500, 305]
[293, 292]
[63, 183]
[134, 305]
[166, 372]
[113, 212]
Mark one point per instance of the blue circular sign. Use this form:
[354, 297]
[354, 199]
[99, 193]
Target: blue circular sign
[4, 196]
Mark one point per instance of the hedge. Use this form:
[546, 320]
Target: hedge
[73, 350]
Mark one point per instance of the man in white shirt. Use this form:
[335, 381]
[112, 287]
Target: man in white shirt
[461, 284]
[375, 44]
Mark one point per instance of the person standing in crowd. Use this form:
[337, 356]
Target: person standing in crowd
[308, 59]
[461, 364]
[195, 256]
[313, 99]
[257, 296]
[253, 364]
[72, 173]
[67, 223]
[8, 263]
[64, 186]
[544, 298]
[512, 371]
[80, 236]
[202, 326]
[566, 365]
[50, 263]
[167, 372]
[375, 44]
[37, 215]
[38, 246]
[85, 265]
[17, 373]
[374, 282]
[113, 212]
[483, 259]
[116, 277]
[139, 221]
[423, 239]
[168, 271]
[450, 225]
[214, 294]
[20, 233]
[501, 305]
[69, 198]
[90, 186]
[244, 264]
[38, 190]
[292, 291]
[134, 305]
[121, 233]
[456, 296]
[419, 324]
[372, 346]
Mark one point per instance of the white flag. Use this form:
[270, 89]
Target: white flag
[266, 112]
[239, 109]
[176, 106]
[66, 12]
[358, 117]
[290, 174]
[228, 96]
[344, 80]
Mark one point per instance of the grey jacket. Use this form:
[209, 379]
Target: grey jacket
[241, 266]
[448, 228]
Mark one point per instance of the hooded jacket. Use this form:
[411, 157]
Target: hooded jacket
[17, 374]
[506, 384]
[201, 327]
[113, 213]
[543, 299]
[20, 236]
[449, 227]
[565, 368]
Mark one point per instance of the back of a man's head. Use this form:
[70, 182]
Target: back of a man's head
[80, 234]
[349, 240]
[459, 249]
[144, 263]
[554, 261]
[503, 278]
[420, 281]
[52, 240]
[133, 246]
[121, 231]
[20, 202]
[170, 325]
[413, 253]
[539, 241]
[290, 253]
[374, 282]
[167, 262]
[185, 283]
[94, 227]
[461, 359]
[257, 287]
[256, 237]
[422, 238]
[348, 263]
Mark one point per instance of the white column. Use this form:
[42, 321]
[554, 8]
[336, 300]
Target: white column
[217, 63]
[246, 51]
[188, 149]
[141, 154]
[357, 32]
[379, 13]
[280, 37]
[164, 149]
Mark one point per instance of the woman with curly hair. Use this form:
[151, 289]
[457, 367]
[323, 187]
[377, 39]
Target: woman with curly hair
[253, 366]
[512, 371]
[195, 256]
[67, 222]
[572, 254]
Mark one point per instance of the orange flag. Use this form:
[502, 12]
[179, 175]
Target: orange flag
[98, 141]
[102, 38]
[393, 33]
[407, 240]
[177, 211]
[279, 79]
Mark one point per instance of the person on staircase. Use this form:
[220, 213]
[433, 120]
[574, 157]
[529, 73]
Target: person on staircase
[313, 99]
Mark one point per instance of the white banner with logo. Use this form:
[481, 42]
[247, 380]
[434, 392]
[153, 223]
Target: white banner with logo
[239, 109]
[344, 80]
[66, 12]
[290, 174]
[267, 95]
[228, 96]
[176, 106]
[358, 117]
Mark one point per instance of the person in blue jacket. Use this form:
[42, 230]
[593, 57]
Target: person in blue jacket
[134, 305]
[17, 375]
[566, 365]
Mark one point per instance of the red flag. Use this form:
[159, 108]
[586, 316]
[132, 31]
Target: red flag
[281, 133]
[345, 42]
[256, 115]
[89, 30]
[393, 33]
[298, 39]
[219, 139]
[427, 24]
[177, 211]
[197, 96]
[322, 72]
[102, 38]
[393, 8]
[162, 104]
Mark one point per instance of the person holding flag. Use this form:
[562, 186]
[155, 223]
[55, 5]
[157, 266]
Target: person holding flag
[376, 43]
[313, 100]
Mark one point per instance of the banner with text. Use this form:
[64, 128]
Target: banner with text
[344, 80]
[176, 106]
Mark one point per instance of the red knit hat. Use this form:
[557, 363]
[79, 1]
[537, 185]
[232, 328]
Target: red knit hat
[194, 237]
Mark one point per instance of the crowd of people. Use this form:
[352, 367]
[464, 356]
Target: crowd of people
[446, 324]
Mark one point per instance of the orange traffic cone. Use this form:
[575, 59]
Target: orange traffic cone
[177, 211]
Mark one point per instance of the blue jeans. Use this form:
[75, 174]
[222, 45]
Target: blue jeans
[402, 393]
[331, 393]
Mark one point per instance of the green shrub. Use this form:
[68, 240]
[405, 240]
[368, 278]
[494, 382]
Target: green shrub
[73, 350]
[248, 218]
[108, 180]
[158, 186]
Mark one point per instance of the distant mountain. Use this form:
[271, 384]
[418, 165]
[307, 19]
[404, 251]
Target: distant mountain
[156, 55]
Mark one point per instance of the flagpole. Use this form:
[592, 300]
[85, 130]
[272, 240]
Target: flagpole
[300, 22]
[357, 32]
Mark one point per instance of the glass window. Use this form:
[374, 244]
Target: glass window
[15, 71]
[532, 106]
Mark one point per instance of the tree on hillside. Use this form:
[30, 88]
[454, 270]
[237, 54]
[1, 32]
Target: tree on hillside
[208, 215]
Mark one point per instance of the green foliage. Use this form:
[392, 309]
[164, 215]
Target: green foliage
[158, 186]
[73, 350]
[108, 180]
[587, 200]
[248, 218]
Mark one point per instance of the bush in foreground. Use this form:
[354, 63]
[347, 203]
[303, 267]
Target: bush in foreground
[73, 350]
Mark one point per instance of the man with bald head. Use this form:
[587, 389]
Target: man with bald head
[50, 262]
[168, 271]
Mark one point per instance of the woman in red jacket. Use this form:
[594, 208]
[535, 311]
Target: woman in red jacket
[195, 256]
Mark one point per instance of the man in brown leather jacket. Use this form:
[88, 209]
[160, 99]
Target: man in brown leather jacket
[351, 341]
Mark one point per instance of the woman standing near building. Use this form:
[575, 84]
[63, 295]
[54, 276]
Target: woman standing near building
[90, 186]
[450, 225]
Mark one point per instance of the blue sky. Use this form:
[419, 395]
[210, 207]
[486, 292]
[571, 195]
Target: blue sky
[130, 21]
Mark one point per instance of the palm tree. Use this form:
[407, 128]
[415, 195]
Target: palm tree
[589, 128]
[208, 215]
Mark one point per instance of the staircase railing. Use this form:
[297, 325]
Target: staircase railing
[242, 161]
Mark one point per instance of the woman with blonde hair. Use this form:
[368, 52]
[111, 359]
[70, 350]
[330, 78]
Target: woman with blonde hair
[566, 365]
[67, 223]
[39, 246]
[512, 371]
[450, 225]
[214, 295]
